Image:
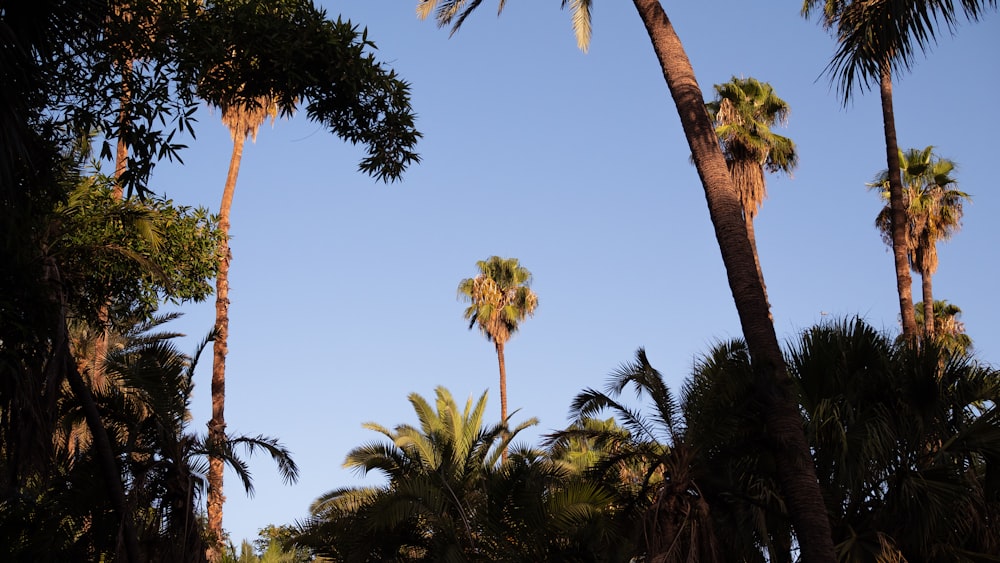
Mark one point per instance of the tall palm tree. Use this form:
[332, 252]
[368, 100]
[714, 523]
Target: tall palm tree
[933, 211]
[743, 112]
[796, 472]
[239, 60]
[243, 121]
[877, 39]
[499, 298]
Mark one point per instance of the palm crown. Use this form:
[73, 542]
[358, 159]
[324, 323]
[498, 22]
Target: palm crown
[934, 205]
[743, 112]
[500, 298]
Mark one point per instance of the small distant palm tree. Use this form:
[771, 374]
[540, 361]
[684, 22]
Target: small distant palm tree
[948, 329]
[743, 112]
[933, 213]
[499, 298]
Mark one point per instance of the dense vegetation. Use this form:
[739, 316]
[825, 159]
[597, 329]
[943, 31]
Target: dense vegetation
[846, 444]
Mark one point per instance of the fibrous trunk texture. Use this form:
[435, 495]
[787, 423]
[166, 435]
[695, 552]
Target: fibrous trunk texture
[897, 209]
[503, 390]
[220, 347]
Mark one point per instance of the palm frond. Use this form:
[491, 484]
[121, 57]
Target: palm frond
[581, 14]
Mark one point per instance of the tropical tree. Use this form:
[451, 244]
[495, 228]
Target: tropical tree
[499, 298]
[58, 55]
[948, 329]
[726, 424]
[256, 58]
[796, 473]
[876, 40]
[933, 212]
[65, 513]
[906, 441]
[683, 470]
[164, 461]
[102, 251]
[585, 442]
[449, 497]
[743, 111]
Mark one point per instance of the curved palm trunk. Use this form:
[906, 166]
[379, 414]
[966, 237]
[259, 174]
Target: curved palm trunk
[220, 347]
[898, 209]
[503, 391]
[796, 471]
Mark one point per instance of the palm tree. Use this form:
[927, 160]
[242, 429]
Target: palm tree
[743, 112]
[238, 61]
[948, 329]
[243, 121]
[725, 422]
[877, 38]
[796, 472]
[145, 405]
[933, 210]
[499, 298]
[905, 440]
[448, 496]
[667, 484]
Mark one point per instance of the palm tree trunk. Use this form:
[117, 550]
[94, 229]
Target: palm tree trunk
[220, 347]
[503, 392]
[796, 471]
[898, 209]
[121, 156]
[756, 260]
[928, 296]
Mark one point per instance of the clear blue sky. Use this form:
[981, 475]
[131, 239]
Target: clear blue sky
[344, 290]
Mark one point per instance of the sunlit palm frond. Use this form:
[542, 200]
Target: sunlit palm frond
[580, 10]
[878, 34]
[590, 403]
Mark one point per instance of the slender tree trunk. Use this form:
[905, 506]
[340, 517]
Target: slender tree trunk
[756, 260]
[928, 296]
[503, 391]
[898, 209]
[118, 192]
[121, 156]
[110, 471]
[796, 471]
[217, 426]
